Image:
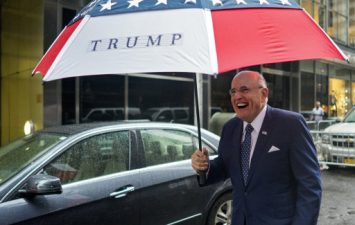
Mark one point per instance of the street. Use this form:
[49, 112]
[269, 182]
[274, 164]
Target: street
[338, 202]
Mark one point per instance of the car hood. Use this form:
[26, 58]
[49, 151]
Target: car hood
[341, 128]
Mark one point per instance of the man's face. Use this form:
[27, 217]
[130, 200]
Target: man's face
[248, 96]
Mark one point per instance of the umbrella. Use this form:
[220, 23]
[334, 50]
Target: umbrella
[198, 36]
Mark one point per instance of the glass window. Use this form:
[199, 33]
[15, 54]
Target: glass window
[339, 92]
[352, 23]
[93, 157]
[279, 94]
[285, 66]
[164, 146]
[157, 99]
[338, 20]
[181, 114]
[165, 116]
[101, 98]
[322, 86]
[68, 101]
[220, 98]
[320, 12]
[307, 85]
[294, 93]
[20, 153]
[317, 9]
[307, 91]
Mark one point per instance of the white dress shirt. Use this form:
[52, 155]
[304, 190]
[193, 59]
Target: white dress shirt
[256, 124]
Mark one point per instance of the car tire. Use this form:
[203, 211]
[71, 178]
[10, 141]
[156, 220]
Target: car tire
[221, 211]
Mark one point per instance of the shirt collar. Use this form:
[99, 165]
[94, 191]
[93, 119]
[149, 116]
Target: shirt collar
[258, 121]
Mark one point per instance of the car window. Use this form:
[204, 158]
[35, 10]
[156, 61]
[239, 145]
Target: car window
[350, 118]
[163, 146]
[181, 114]
[165, 116]
[96, 156]
[210, 150]
[18, 154]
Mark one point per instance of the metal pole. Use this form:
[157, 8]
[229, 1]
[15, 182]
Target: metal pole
[202, 175]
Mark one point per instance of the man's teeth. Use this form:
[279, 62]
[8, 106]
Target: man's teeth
[241, 104]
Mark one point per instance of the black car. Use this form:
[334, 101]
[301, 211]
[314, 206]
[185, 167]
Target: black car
[136, 173]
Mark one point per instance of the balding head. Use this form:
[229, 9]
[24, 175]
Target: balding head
[254, 76]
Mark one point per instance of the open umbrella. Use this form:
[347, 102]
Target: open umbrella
[198, 36]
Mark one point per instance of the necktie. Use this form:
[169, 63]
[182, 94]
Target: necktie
[245, 152]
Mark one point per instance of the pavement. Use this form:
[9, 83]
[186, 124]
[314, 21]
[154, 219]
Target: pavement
[338, 201]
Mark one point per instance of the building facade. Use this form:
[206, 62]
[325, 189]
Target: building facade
[28, 27]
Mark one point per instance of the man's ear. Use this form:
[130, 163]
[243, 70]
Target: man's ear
[265, 92]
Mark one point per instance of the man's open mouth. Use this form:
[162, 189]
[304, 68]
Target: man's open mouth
[242, 105]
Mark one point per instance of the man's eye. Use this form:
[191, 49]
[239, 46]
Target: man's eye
[244, 90]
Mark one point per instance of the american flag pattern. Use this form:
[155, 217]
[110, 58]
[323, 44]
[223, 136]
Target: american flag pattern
[197, 36]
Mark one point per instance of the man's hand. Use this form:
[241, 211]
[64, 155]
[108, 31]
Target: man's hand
[199, 160]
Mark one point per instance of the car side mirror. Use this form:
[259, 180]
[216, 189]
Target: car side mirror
[41, 184]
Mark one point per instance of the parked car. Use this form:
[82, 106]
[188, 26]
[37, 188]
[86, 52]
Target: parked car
[110, 114]
[131, 173]
[168, 114]
[337, 145]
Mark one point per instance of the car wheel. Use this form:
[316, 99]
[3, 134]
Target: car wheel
[221, 211]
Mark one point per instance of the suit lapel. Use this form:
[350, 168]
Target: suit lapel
[235, 157]
[237, 139]
[263, 138]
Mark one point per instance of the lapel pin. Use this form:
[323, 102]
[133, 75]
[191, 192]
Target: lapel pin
[264, 132]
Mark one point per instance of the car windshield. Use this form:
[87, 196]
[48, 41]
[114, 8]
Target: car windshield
[350, 118]
[16, 155]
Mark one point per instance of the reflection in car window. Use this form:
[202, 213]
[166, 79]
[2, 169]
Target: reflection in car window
[163, 146]
[181, 114]
[18, 154]
[93, 157]
[210, 150]
[165, 116]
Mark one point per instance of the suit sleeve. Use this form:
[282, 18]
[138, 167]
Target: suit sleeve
[216, 171]
[305, 168]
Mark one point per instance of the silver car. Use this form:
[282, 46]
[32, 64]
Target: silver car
[136, 173]
[337, 145]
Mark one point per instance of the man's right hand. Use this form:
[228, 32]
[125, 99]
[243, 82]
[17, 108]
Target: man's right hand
[199, 160]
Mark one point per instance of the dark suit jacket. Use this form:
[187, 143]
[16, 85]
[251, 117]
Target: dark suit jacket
[284, 186]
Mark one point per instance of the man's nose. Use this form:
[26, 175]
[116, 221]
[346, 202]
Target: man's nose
[236, 95]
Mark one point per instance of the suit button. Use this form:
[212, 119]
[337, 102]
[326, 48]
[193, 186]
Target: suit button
[245, 193]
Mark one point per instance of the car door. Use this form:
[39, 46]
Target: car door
[99, 186]
[171, 194]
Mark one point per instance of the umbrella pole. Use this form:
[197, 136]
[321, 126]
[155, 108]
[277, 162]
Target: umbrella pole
[202, 174]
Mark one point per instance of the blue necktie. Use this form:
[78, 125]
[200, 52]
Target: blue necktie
[245, 152]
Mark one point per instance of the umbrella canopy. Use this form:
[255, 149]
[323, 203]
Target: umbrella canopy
[199, 36]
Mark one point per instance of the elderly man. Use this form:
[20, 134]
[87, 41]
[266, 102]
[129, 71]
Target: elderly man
[270, 157]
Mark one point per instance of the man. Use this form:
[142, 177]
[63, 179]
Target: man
[270, 157]
[317, 112]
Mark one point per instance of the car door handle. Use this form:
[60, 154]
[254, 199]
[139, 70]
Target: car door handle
[122, 192]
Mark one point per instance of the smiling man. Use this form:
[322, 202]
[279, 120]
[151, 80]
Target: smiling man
[270, 157]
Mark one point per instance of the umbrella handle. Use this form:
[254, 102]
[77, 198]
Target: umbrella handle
[202, 174]
[202, 178]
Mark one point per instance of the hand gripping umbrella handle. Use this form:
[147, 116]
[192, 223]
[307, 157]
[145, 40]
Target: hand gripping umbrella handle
[202, 174]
